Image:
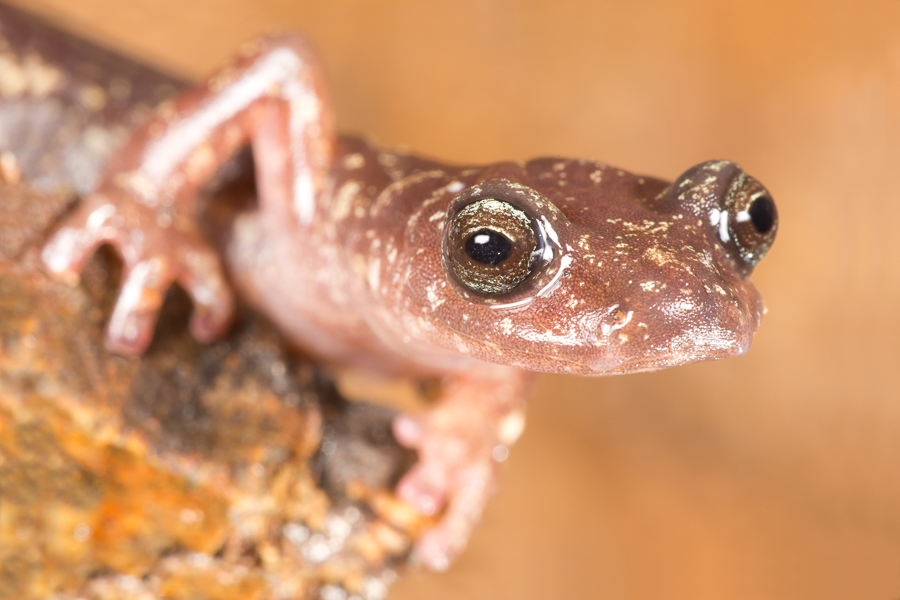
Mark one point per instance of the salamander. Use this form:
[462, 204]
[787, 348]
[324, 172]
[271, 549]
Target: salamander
[383, 260]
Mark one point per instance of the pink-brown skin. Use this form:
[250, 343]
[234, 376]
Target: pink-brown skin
[346, 254]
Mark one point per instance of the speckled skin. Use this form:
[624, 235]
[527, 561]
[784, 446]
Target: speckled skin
[346, 253]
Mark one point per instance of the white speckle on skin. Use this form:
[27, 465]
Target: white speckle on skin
[139, 184]
[92, 97]
[424, 323]
[506, 325]
[343, 200]
[374, 273]
[433, 298]
[583, 242]
[387, 160]
[659, 257]
[28, 75]
[455, 187]
[354, 161]
[99, 139]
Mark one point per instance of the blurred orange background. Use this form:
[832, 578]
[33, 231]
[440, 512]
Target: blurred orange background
[776, 475]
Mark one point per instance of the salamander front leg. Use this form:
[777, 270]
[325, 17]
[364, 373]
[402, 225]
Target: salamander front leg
[460, 443]
[272, 97]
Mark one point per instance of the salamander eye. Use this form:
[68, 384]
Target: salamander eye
[492, 246]
[753, 219]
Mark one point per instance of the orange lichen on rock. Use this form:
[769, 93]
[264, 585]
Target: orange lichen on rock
[198, 471]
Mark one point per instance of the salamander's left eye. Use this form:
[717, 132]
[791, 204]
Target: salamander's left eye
[492, 246]
[753, 220]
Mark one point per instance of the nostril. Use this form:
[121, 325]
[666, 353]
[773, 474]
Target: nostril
[762, 213]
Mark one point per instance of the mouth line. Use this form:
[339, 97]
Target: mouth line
[581, 367]
[663, 358]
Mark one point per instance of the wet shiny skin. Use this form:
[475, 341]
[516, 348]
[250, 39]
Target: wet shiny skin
[349, 255]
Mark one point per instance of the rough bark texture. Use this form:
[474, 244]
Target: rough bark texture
[232, 470]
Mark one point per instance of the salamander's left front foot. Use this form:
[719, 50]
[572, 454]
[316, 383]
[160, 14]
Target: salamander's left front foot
[460, 443]
[153, 258]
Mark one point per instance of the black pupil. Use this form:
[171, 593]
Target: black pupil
[488, 247]
[762, 213]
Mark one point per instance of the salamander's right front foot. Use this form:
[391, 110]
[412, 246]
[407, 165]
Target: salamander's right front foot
[156, 252]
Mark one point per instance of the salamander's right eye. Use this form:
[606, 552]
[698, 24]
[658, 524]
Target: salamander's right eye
[492, 246]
